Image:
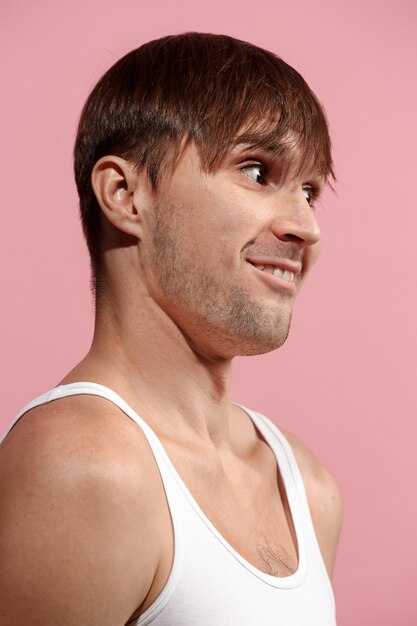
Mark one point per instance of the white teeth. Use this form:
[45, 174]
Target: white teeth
[285, 275]
[271, 269]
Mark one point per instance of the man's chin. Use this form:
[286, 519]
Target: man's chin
[263, 348]
[264, 342]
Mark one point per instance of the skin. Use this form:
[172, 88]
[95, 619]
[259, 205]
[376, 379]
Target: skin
[180, 301]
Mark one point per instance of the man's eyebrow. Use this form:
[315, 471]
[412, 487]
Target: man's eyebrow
[285, 157]
[253, 145]
[269, 153]
[281, 151]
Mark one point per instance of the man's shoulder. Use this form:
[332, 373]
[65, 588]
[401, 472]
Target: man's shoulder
[84, 432]
[83, 441]
[77, 494]
[324, 498]
[310, 466]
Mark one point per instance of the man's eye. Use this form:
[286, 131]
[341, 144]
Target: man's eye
[309, 194]
[255, 171]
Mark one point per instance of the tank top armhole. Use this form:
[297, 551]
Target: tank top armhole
[168, 481]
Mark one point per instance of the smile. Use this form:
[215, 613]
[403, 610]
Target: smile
[277, 271]
[276, 277]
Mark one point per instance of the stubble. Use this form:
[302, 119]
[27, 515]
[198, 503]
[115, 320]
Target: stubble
[223, 309]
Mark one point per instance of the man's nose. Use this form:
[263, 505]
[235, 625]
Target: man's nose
[295, 221]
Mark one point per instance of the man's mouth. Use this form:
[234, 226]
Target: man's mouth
[277, 271]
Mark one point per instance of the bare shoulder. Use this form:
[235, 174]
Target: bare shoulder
[77, 492]
[324, 498]
[77, 437]
[322, 489]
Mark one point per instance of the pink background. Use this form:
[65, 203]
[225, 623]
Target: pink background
[345, 381]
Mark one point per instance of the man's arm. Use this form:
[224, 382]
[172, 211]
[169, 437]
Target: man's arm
[73, 514]
[324, 499]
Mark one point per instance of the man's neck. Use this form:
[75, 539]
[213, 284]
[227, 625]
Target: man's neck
[142, 354]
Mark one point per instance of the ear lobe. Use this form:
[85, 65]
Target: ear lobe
[114, 182]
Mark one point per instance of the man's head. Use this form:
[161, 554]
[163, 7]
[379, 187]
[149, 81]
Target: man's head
[210, 89]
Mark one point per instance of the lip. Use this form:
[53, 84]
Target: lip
[283, 264]
[276, 281]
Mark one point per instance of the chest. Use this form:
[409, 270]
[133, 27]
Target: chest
[246, 502]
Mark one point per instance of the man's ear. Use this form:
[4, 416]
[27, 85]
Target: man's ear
[122, 193]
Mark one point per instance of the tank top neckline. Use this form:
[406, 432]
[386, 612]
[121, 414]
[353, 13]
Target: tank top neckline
[274, 443]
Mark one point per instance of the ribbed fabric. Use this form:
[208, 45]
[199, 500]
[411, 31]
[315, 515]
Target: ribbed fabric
[210, 584]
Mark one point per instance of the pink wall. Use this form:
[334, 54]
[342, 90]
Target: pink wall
[346, 379]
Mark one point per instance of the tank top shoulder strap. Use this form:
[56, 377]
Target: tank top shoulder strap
[280, 445]
[291, 474]
[90, 388]
[174, 496]
[288, 466]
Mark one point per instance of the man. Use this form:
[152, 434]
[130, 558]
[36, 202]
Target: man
[135, 491]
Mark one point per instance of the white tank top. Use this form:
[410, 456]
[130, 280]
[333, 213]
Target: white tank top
[210, 583]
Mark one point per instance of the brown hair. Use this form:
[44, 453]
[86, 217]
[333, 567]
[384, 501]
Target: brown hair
[211, 89]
